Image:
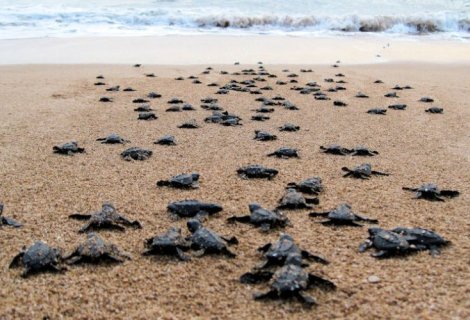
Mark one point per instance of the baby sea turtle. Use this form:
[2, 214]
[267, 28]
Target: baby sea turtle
[106, 99]
[311, 185]
[174, 108]
[377, 111]
[363, 151]
[387, 243]
[136, 153]
[363, 171]
[290, 281]
[187, 107]
[430, 191]
[175, 101]
[361, 95]
[289, 127]
[113, 138]
[5, 221]
[426, 99]
[209, 100]
[391, 95]
[285, 153]
[397, 106]
[435, 110]
[423, 239]
[342, 215]
[260, 117]
[107, 218]
[264, 136]
[129, 89]
[339, 103]
[257, 171]
[264, 109]
[181, 181]
[171, 243]
[150, 75]
[147, 116]
[99, 83]
[295, 200]
[206, 241]
[153, 95]
[190, 124]
[38, 258]
[262, 218]
[378, 81]
[68, 148]
[96, 250]
[143, 108]
[166, 140]
[193, 208]
[140, 100]
[113, 89]
[335, 149]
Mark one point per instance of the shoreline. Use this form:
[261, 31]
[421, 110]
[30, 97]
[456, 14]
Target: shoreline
[226, 49]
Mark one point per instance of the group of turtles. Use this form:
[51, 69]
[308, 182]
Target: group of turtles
[284, 263]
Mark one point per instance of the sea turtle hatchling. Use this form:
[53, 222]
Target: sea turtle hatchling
[387, 243]
[290, 127]
[423, 239]
[264, 136]
[129, 89]
[68, 148]
[6, 221]
[113, 138]
[290, 281]
[397, 106]
[260, 117]
[295, 200]
[363, 171]
[435, 110]
[147, 116]
[171, 243]
[342, 215]
[379, 111]
[363, 151]
[143, 108]
[181, 181]
[311, 185]
[140, 100]
[37, 258]
[190, 124]
[284, 153]
[175, 101]
[262, 218]
[426, 99]
[257, 171]
[430, 191]
[106, 99]
[153, 95]
[193, 208]
[166, 140]
[361, 95]
[107, 218]
[391, 95]
[335, 149]
[96, 250]
[206, 241]
[136, 153]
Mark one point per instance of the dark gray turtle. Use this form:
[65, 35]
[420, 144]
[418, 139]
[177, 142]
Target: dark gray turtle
[335, 149]
[391, 95]
[206, 241]
[281, 83]
[166, 140]
[295, 200]
[397, 106]
[137, 65]
[289, 106]
[435, 110]
[187, 107]
[329, 80]
[115, 88]
[285, 153]
[255, 92]
[181, 181]
[150, 75]
[213, 84]
[147, 116]
[143, 108]
[222, 91]
[129, 89]
[257, 171]
[342, 215]
[174, 108]
[339, 103]
[262, 218]
[363, 171]
[264, 109]
[96, 250]
[179, 78]
[99, 83]
[269, 88]
[107, 218]
[306, 70]
[363, 151]
[153, 95]
[322, 97]
[289, 127]
[260, 117]
[175, 101]
[136, 153]
[38, 258]
[171, 243]
[378, 81]
[361, 95]
[423, 239]
[397, 87]
[310, 186]
[190, 124]
[264, 136]
[377, 111]
[106, 99]
[209, 100]
[140, 100]
[212, 107]
[430, 191]
[100, 76]
[290, 281]
[387, 243]
[5, 221]
[113, 138]
[68, 148]
[193, 208]
[426, 99]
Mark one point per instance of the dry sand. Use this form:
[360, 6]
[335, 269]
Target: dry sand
[41, 106]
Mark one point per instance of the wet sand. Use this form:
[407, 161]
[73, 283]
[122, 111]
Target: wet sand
[42, 106]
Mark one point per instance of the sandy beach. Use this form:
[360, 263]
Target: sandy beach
[43, 104]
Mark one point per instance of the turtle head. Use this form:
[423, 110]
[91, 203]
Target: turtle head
[194, 225]
[374, 231]
[294, 259]
[254, 206]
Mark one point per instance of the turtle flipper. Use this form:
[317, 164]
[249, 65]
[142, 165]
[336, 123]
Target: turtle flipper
[265, 248]
[318, 214]
[163, 183]
[79, 216]
[307, 300]
[256, 277]
[309, 256]
[73, 259]
[410, 189]
[366, 219]
[10, 222]
[378, 173]
[16, 260]
[271, 294]
[242, 219]
[230, 240]
[228, 253]
[314, 280]
[180, 254]
[449, 193]
[312, 200]
[365, 246]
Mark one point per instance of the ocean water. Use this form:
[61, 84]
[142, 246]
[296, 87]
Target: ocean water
[71, 18]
